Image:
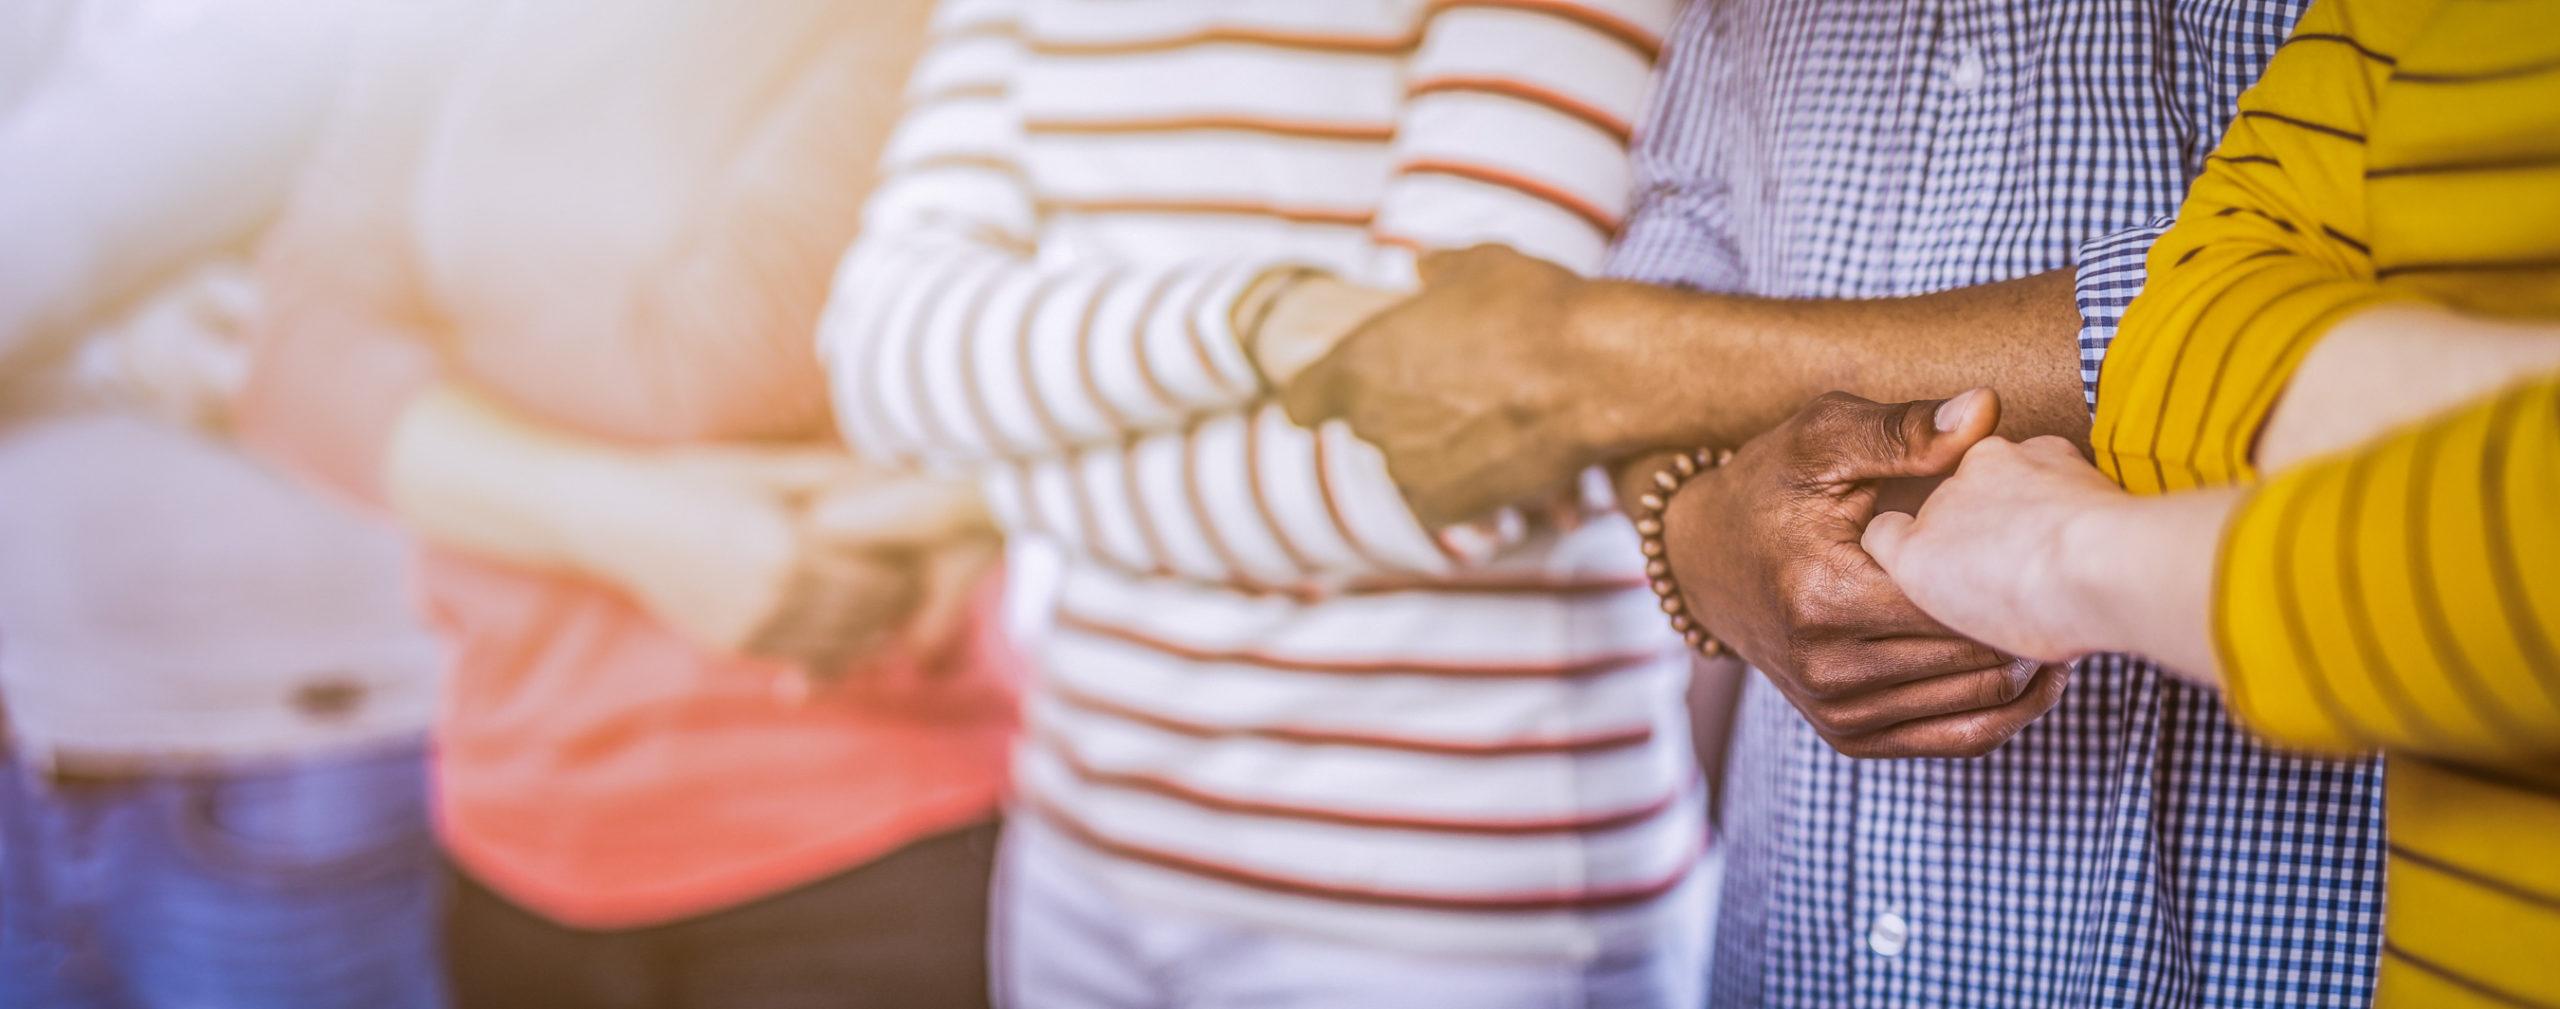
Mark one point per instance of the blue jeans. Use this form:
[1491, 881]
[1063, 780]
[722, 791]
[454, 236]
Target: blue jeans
[307, 884]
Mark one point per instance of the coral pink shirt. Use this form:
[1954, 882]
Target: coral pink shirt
[630, 240]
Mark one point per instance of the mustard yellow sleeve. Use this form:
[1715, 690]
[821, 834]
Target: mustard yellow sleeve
[2269, 251]
[2406, 595]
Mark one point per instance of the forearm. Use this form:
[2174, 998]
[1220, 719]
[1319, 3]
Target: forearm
[2392, 365]
[2139, 576]
[464, 473]
[1731, 367]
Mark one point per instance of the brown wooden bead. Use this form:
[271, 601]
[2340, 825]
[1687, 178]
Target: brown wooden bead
[1650, 502]
[1657, 568]
[1671, 604]
[1651, 547]
[1686, 465]
[1648, 527]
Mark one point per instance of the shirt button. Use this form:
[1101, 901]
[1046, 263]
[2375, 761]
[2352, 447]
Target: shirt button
[1969, 71]
[1889, 935]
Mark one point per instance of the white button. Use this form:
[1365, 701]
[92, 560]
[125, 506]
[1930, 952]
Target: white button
[1889, 935]
[1969, 71]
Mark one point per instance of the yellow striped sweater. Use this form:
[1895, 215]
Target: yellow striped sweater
[2404, 596]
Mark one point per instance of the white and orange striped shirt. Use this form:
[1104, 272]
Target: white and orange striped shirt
[1269, 691]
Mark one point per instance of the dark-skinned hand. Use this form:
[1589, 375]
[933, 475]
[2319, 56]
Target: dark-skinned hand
[1766, 550]
[1473, 387]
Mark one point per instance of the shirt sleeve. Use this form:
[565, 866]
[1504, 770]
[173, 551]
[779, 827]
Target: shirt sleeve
[951, 339]
[345, 343]
[2107, 280]
[1109, 407]
[2267, 254]
[2402, 596]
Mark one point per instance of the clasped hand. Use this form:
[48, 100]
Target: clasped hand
[791, 553]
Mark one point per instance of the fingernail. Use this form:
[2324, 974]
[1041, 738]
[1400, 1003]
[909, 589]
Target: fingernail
[1951, 413]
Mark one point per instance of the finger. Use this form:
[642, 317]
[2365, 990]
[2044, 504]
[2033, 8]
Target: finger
[1864, 441]
[840, 607]
[950, 588]
[1976, 689]
[1884, 539]
[1969, 734]
[899, 513]
[1836, 670]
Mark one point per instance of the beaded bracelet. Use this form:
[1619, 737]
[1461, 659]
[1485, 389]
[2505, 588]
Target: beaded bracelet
[1650, 524]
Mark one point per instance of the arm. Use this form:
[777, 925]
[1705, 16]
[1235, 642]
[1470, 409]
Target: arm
[2390, 597]
[948, 343]
[1562, 373]
[2268, 256]
[349, 386]
[1237, 493]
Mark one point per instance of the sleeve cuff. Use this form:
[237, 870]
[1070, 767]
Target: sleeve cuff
[2110, 275]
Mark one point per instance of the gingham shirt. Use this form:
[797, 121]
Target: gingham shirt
[2133, 847]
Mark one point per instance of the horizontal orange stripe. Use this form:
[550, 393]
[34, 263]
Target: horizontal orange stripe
[1336, 42]
[1359, 218]
[1553, 900]
[1168, 788]
[1593, 115]
[1643, 43]
[1603, 221]
[1599, 742]
[1634, 36]
[1070, 620]
[1314, 129]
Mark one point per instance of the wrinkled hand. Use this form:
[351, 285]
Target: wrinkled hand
[1989, 553]
[1471, 387]
[714, 541]
[1766, 549]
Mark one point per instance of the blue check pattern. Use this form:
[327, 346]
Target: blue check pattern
[2134, 848]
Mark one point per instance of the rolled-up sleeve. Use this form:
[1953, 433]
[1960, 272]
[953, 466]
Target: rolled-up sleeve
[2108, 278]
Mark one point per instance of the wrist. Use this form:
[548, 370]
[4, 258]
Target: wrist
[2109, 564]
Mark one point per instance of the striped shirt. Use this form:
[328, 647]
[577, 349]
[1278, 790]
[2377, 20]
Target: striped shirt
[1270, 692]
[2395, 151]
[2133, 847]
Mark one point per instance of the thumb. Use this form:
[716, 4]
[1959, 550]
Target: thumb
[1313, 395]
[1885, 537]
[1923, 438]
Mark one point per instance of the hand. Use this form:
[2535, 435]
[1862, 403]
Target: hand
[1766, 551]
[940, 527]
[1307, 319]
[1473, 388]
[1995, 551]
[712, 540]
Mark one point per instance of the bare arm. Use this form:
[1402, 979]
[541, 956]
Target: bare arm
[1731, 367]
[1504, 377]
[2392, 365]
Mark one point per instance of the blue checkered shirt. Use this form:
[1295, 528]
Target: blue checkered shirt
[2134, 847]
